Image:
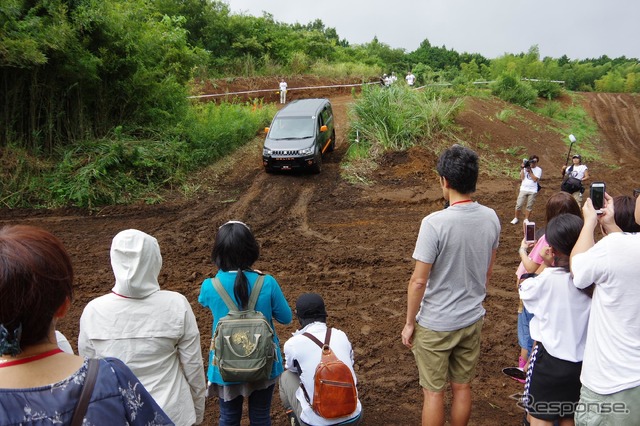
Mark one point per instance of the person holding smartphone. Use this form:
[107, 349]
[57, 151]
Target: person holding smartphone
[532, 263]
[611, 366]
[530, 175]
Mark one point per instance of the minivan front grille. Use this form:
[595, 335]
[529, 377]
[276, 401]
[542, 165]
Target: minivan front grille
[285, 152]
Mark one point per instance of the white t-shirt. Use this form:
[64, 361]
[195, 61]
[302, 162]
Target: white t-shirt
[560, 313]
[411, 79]
[458, 242]
[577, 171]
[612, 354]
[308, 355]
[528, 184]
[283, 86]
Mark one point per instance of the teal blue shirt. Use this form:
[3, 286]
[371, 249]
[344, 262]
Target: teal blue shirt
[271, 302]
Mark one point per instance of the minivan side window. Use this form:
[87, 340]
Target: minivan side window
[325, 115]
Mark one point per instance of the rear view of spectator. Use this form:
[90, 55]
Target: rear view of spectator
[39, 383]
[153, 331]
[302, 358]
[624, 207]
[611, 366]
[234, 252]
[559, 327]
[558, 203]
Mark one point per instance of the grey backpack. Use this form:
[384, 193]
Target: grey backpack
[243, 344]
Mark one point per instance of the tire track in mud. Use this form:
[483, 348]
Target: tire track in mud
[618, 117]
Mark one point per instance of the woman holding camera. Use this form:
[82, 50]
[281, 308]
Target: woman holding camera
[578, 171]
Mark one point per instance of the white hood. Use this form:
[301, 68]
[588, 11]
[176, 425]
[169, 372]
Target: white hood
[136, 263]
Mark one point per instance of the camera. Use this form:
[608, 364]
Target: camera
[526, 163]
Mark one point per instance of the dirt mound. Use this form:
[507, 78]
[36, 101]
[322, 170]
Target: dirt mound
[353, 244]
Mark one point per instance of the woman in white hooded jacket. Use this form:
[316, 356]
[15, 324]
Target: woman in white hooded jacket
[154, 332]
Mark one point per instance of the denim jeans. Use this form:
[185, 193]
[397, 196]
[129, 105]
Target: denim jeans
[259, 409]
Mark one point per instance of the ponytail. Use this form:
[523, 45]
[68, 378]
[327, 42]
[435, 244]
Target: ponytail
[241, 290]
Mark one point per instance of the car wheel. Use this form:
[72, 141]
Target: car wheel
[268, 169]
[317, 166]
[333, 141]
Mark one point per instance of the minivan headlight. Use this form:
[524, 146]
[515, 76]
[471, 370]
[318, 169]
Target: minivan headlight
[306, 151]
[266, 152]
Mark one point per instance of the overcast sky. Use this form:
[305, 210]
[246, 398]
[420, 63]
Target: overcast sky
[578, 28]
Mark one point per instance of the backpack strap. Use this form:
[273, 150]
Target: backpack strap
[253, 298]
[217, 286]
[327, 338]
[255, 292]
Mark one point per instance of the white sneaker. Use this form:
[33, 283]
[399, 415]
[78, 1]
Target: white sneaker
[514, 221]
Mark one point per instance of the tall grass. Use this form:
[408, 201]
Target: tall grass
[393, 119]
[396, 118]
[123, 169]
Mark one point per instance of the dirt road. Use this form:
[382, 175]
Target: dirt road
[352, 244]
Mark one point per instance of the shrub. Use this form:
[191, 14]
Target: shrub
[547, 89]
[509, 88]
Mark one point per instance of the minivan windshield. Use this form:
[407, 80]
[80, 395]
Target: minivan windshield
[291, 128]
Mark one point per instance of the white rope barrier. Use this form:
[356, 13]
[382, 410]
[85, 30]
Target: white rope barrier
[277, 90]
[244, 92]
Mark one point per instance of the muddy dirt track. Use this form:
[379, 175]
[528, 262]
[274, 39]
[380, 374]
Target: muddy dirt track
[353, 244]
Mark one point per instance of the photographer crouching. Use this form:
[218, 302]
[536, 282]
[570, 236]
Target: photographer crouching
[530, 175]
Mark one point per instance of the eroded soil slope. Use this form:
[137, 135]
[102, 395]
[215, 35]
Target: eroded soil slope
[353, 244]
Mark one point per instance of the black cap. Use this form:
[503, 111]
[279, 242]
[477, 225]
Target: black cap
[310, 305]
[577, 156]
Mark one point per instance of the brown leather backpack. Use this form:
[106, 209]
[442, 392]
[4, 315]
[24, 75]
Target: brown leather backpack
[334, 394]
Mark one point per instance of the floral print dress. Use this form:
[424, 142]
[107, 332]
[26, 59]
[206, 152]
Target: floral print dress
[117, 399]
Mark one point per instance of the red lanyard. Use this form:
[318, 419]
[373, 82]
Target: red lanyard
[30, 358]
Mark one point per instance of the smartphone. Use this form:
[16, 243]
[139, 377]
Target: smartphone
[530, 232]
[597, 195]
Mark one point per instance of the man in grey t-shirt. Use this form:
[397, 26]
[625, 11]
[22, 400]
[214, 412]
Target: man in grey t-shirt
[454, 254]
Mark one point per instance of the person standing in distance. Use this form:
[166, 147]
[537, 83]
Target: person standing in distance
[302, 358]
[411, 79]
[579, 171]
[530, 175]
[283, 91]
[445, 293]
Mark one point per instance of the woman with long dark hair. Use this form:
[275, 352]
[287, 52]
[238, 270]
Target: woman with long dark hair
[235, 250]
[40, 384]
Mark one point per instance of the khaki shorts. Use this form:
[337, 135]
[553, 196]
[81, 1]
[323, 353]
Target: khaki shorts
[528, 197]
[620, 408]
[442, 355]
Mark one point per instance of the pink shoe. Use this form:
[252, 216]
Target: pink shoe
[521, 362]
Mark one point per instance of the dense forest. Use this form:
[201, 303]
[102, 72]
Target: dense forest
[87, 71]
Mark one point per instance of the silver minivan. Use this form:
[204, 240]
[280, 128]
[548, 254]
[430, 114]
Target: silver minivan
[299, 135]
